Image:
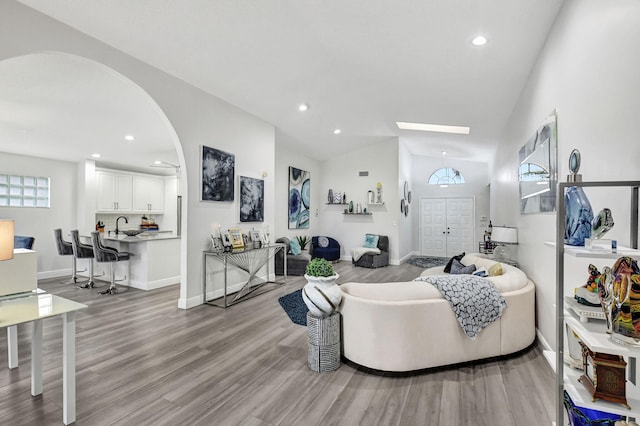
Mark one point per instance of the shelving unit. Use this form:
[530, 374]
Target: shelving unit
[592, 333]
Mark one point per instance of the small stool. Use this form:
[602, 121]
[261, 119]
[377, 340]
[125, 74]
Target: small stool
[107, 254]
[83, 251]
[323, 336]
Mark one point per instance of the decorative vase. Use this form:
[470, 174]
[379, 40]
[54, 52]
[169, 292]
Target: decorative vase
[370, 197]
[625, 309]
[330, 196]
[578, 217]
[322, 295]
[350, 206]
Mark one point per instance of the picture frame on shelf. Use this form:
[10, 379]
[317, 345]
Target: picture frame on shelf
[216, 243]
[235, 238]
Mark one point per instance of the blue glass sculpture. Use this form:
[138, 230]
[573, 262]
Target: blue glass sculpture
[578, 216]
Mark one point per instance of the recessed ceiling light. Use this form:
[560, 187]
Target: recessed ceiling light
[303, 107]
[96, 155]
[337, 131]
[157, 162]
[479, 41]
[433, 128]
[129, 138]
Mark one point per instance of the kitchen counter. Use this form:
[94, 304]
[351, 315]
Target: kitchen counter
[154, 261]
[140, 238]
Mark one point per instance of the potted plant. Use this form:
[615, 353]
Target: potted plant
[321, 294]
[304, 241]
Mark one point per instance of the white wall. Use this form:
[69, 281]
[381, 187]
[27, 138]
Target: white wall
[194, 118]
[406, 232]
[588, 70]
[341, 173]
[476, 175]
[40, 222]
[287, 156]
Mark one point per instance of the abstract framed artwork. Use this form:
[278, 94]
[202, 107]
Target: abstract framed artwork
[251, 199]
[299, 198]
[218, 173]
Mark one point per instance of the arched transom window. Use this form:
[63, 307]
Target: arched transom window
[446, 176]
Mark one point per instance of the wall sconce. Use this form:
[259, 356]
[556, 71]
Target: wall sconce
[6, 239]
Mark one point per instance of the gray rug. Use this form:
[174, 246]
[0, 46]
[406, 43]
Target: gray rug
[427, 261]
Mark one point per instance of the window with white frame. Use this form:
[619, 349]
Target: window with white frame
[446, 176]
[24, 191]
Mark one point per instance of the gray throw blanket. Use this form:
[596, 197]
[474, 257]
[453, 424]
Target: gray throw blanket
[475, 301]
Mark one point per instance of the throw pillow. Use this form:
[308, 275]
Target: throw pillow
[447, 268]
[371, 241]
[294, 247]
[323, 242]
[459, 268]
[495, 270]
[482, 272]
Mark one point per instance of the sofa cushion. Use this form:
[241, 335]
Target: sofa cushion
[323, 242]
[512, 278]
[294, 247]
[371, 241]
[459, 268]
[447, 267]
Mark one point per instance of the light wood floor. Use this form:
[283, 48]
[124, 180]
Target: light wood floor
[143, 361]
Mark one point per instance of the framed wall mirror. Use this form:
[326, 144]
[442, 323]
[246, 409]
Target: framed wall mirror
[538, 169]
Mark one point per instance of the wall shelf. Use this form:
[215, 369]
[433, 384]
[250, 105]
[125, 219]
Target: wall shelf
[358, 214]
[336, 204]
[592, 333]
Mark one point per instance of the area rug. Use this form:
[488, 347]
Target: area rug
[295, 307]
[427, 261]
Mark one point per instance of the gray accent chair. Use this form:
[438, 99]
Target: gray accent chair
[296, 264]
[370, 260]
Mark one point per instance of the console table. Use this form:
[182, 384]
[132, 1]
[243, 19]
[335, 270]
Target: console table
[251, 261]
[33, 308]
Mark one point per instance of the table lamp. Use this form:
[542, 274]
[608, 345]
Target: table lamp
[503, 236]
[6, 239]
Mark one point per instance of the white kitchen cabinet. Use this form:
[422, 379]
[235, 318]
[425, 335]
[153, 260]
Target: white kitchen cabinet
[115, 191]
[148, 194]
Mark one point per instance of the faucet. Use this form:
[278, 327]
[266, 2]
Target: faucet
[118, 219]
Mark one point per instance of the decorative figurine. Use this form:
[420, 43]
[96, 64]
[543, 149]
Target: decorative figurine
[602, 223]
[625, 312]
[605, 294]
[588, 293]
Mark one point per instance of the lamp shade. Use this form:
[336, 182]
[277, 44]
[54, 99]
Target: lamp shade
[504, 235]
[6, 239]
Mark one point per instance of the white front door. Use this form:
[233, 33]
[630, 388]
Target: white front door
[433, 225]
[447, 226]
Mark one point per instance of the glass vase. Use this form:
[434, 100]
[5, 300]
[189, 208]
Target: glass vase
[578, 216]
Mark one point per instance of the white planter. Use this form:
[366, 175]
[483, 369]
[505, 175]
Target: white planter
[322, 295]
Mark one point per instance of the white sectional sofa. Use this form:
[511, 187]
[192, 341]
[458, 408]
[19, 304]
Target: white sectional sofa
[405, 326]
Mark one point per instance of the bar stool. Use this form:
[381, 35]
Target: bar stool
[108, 254]
[83, 251]
[65, 248]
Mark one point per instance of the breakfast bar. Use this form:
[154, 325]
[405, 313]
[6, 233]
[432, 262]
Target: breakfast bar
[154, 262]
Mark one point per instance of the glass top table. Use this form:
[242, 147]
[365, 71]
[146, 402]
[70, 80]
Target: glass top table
[33, 307]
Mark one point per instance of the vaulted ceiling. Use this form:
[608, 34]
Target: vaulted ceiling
[360, 66]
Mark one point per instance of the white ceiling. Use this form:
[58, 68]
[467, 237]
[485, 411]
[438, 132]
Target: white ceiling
[359, 65]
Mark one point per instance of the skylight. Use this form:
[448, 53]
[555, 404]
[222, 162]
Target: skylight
[433, 128]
